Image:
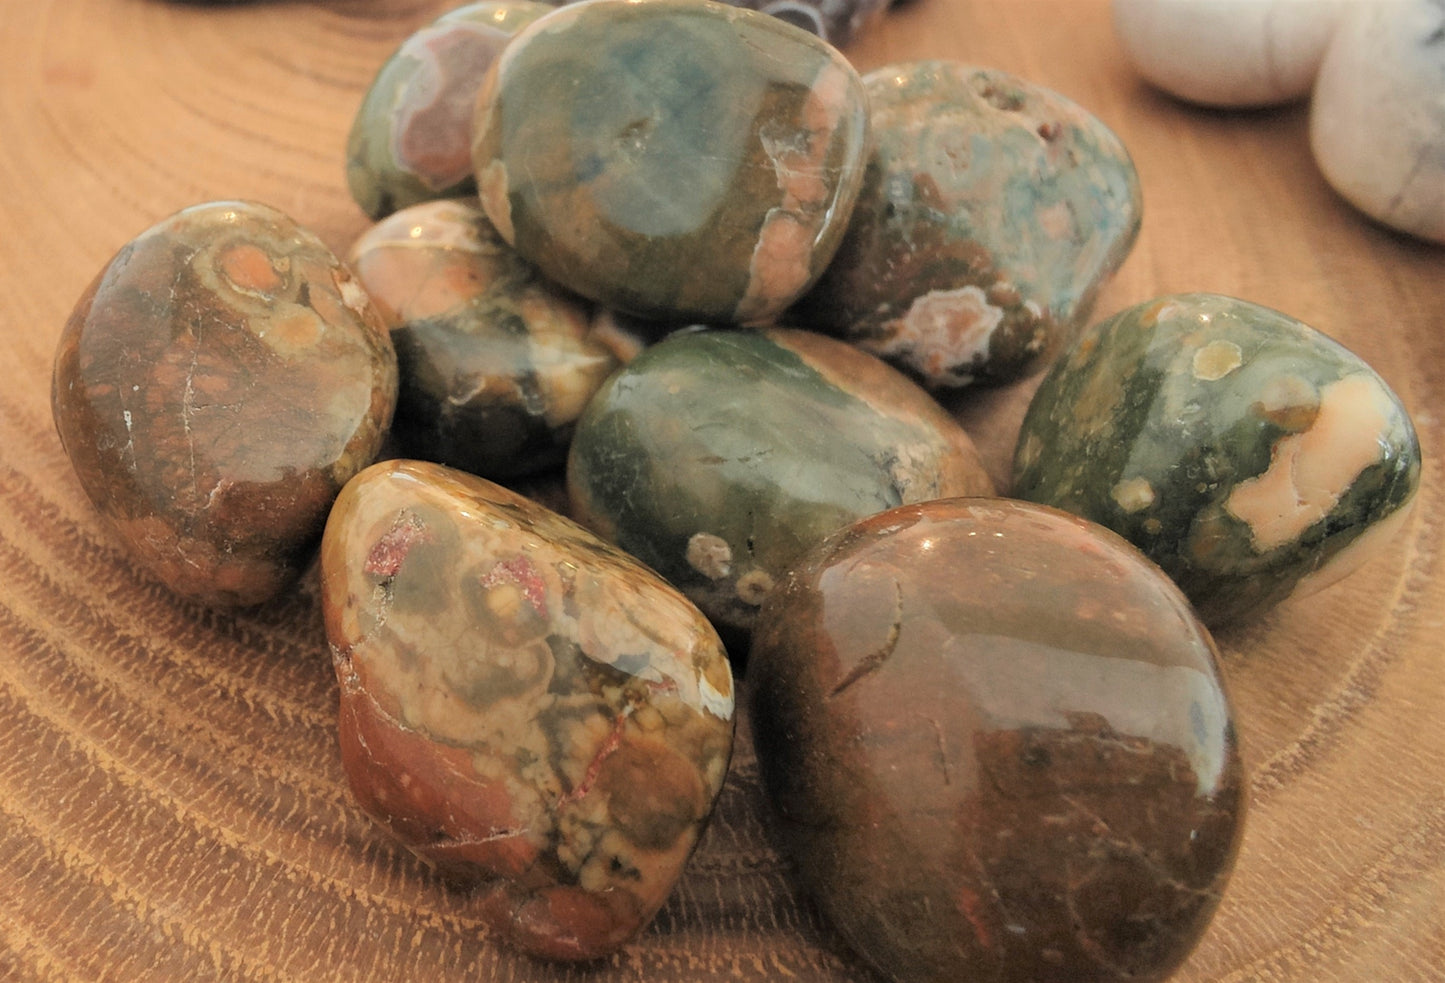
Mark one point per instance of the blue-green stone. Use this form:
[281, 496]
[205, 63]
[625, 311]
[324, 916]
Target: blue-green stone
[680, 160]
[1246, 453]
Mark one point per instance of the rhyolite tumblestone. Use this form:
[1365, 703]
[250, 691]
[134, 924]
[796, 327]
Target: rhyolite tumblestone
[411, 140]
[718, 457]
[1246, 453]
[496, 361]
[216, 385]
[992, 212]
[526, 707]
[675, 159]
[997, 747]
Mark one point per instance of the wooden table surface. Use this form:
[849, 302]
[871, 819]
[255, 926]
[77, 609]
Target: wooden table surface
[171, 800]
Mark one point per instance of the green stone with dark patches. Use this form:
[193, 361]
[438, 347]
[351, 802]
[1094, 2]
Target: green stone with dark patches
[497, 362]
[412, 135]
[718, 457]
[674, 159]
[992, 212]
[1246, 453]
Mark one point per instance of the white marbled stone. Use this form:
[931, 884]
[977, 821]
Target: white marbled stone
[1229, 53]
[1377, 124]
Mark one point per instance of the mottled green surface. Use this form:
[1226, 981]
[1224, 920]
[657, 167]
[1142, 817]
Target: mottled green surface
[670, 158]
[411, 138]
[992, 211]
[718, 457]
[1246, 453]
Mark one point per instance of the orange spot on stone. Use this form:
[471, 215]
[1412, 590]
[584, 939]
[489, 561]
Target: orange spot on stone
[249, 268]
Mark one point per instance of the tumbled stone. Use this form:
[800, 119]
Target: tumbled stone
[673, 159]
[524, 706]
[216, 385]
[992, 212]
[1246, 453]
[997, 747]
[411, 140]
[835, 21]
[1227, 52]
[496, 361]
[1377, 120]
[718, 457]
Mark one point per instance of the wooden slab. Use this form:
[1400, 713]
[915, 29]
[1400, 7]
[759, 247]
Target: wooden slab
[171, 803]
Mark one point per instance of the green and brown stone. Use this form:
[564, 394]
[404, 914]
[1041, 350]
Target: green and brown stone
[1246, 453]
[997, 747]
[496, 361]
[411, 140]
[992, 211]
[718, 457]
[214, 388]
[676, 159]
[523, 705]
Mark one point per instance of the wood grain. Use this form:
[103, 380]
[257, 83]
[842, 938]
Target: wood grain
[171, 801]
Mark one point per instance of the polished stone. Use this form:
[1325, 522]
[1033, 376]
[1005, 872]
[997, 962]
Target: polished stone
[411, 140]
[997, 747]
[992, 212]
[673, 159]
[1377, 120]
[1246, 453]
[216, 385]
[1228, 53]
[524, 706]
[718, 457]
[496, 361]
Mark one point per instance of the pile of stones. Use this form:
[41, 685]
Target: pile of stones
[686, 252]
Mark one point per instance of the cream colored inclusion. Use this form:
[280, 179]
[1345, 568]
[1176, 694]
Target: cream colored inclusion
[1310, 471]
[953, 327]
[1216, 360]
[1133, 494]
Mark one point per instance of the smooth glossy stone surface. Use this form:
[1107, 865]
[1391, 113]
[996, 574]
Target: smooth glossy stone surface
[521, 704]
[1377, 121]
[675, 159]
[835, 21]
[1228, 52]
[214, 388]
[718, 457]
[411, 140]
[997, 747]
[496, 361]
[1246, 453]
[992, 212]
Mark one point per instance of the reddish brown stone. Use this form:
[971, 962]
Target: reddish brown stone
[214, 388]
[997, 746]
